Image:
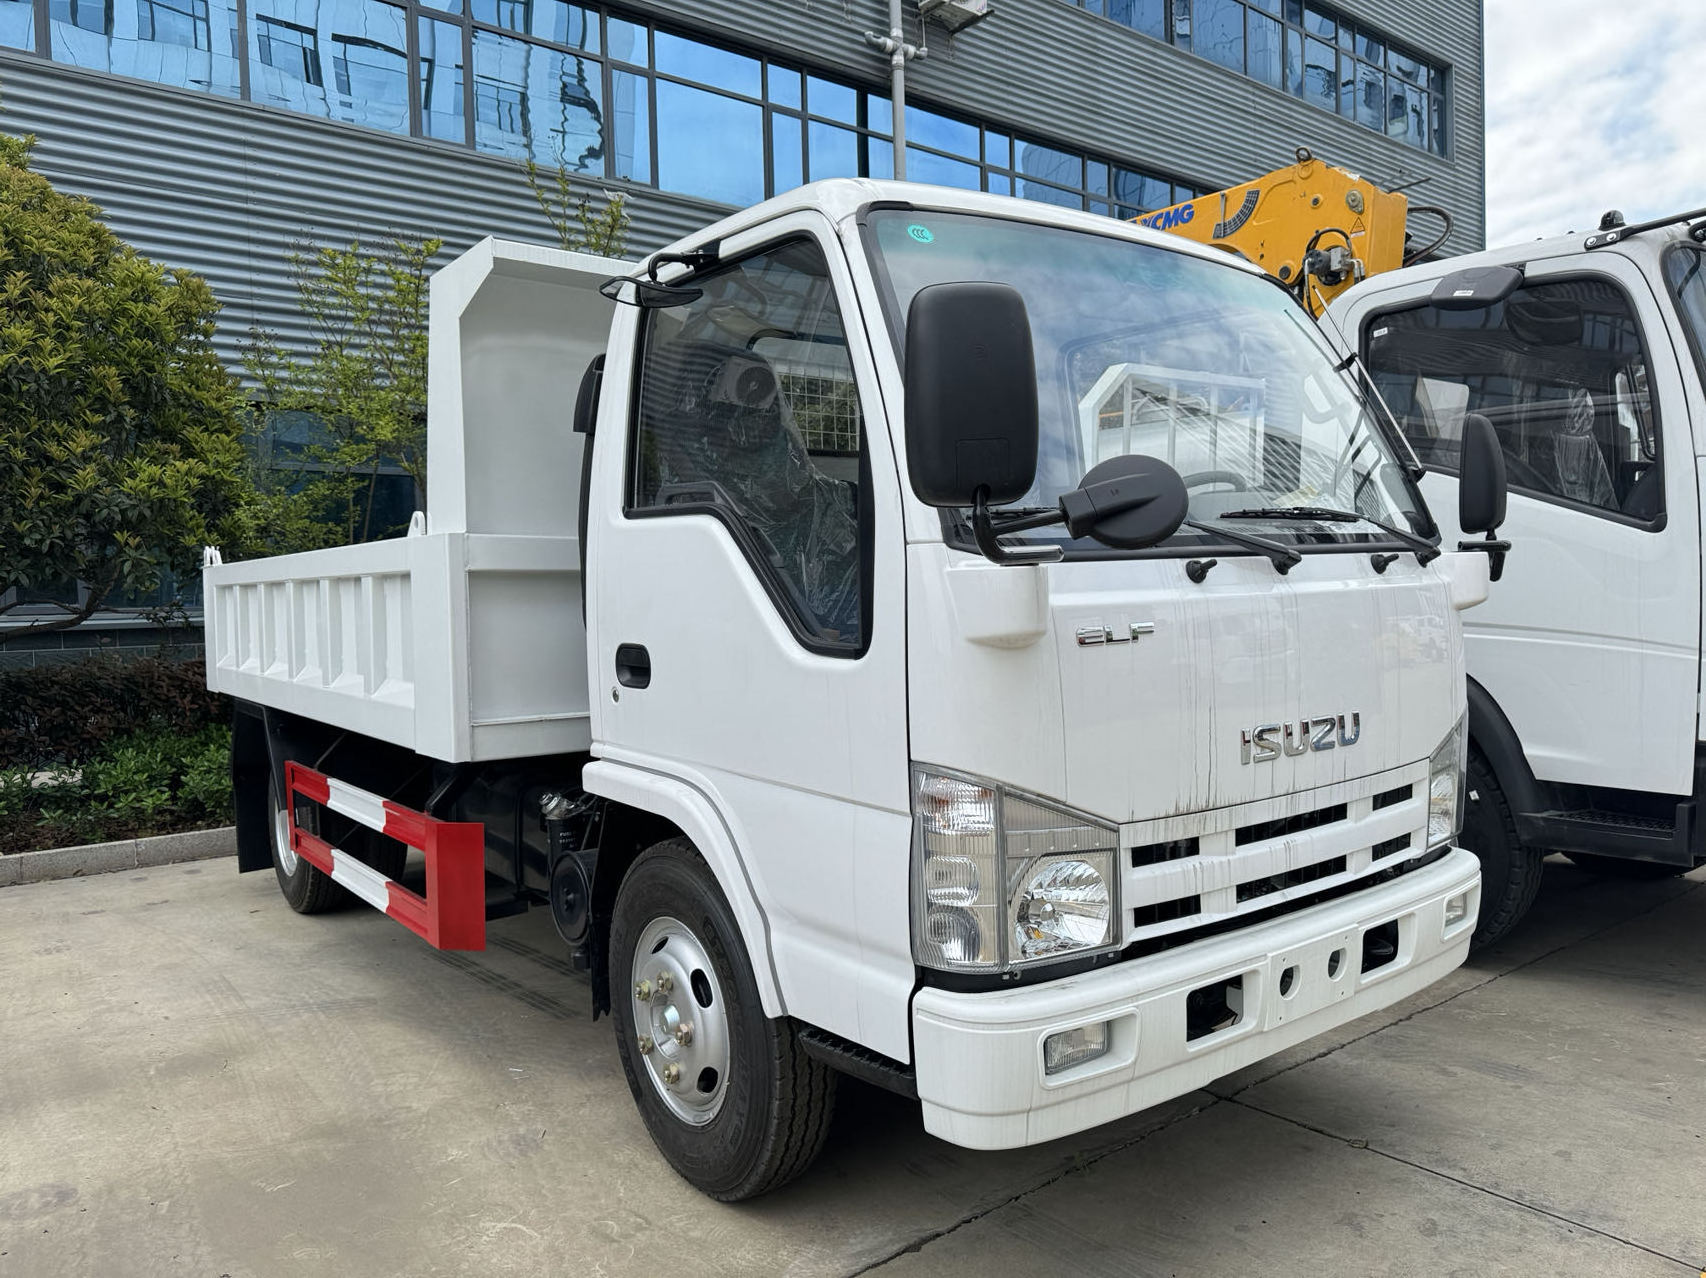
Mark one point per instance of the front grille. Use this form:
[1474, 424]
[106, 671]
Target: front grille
[1386, 847]
[1262, 831]
[1166, 911]
[1290, 879]
[1238, 863]
[1157, 853]
[1387, 798]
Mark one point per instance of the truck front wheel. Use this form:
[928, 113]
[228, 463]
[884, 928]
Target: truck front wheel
[731, 1100]
[1510, 873]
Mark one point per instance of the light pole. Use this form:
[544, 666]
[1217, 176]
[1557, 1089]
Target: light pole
[955, 15]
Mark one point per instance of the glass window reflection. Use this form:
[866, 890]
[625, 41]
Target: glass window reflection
[732, 171]
[631, 126]
[831, 100]
[188, 43]
[927, 128]
[18, 24]
[1218, 32]
[833, 152]
[338, 59]
[441, 81]
[706, 64]
[939, 170]
[787, 153]
[534, 102]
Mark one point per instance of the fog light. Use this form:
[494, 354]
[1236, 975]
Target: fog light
[1456, 908]
[1073, 1047]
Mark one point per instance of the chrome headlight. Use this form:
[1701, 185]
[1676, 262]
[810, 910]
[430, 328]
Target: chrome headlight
[1003, 879]
[1445, 785]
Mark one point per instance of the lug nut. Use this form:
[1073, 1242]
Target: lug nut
[684, 1033]
[672, 1074]
[666, 982]
[643, 991]
[646, 1045]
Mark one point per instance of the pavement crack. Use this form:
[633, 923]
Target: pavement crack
[1470, 1185]
[1467, 989]
[1083, 1164]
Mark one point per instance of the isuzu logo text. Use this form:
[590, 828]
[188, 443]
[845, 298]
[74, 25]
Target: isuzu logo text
[1268, 741]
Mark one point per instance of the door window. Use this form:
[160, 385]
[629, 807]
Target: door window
[1559, 370]
[747, 411]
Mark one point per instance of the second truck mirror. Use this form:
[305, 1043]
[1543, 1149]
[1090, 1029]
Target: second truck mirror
[971, 394]
[1481, 477]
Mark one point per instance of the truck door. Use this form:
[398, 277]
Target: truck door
[1590, 643]
[746, 573]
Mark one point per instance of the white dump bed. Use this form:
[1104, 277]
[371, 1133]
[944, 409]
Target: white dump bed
[463, 640]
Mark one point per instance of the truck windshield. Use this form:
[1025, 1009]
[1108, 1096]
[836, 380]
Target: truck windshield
[1140, 349]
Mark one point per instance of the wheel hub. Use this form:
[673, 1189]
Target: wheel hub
[680, 1020]
[281, 838]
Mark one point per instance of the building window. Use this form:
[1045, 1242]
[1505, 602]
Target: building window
[1306, 51]
[18, 24]
[607, 97]
[188, 43]
[292, 50]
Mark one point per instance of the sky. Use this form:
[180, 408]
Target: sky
[1593, 106]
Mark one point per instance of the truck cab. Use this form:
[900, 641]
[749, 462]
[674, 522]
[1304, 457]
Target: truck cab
[979, 647]
[1585, 355]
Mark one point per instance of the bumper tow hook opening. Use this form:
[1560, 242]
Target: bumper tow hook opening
[1380, 945]
[1212, 1008]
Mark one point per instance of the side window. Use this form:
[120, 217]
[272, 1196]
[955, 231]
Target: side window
[747, 410]
[1560, 371]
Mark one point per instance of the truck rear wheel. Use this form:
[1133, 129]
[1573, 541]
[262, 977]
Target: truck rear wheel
[1510, 873]
[731, 1100]
[307, 888]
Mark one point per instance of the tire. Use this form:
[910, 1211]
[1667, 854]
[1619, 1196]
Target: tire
[1510, 873]
[1617, 867]
[748, 1110]
[307, 888]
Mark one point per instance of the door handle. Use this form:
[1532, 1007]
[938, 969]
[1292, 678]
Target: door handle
[633, 665]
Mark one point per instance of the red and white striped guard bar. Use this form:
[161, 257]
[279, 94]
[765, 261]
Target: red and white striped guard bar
[452, 915]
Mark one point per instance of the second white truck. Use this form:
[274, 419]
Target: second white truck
[1587, 353]
[985, 649]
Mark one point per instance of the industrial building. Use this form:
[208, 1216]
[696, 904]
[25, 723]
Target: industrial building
[218, 133]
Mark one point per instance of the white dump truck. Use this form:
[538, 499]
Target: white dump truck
[1587, 353]
[988, 650]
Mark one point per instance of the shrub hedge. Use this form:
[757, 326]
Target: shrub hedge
[150, 782]
[55, 716]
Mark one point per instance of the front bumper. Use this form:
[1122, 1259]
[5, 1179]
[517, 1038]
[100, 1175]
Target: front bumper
[979, 1057]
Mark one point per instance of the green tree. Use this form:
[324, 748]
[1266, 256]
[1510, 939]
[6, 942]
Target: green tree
[120, 441]
[580, 223]
[363, 379]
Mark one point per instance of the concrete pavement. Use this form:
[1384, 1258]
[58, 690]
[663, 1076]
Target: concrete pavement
[194, 1080]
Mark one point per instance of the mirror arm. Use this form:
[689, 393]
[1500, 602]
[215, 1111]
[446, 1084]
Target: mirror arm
[984, 532]
[1495, 549]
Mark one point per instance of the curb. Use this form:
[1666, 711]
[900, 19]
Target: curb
[127, 854]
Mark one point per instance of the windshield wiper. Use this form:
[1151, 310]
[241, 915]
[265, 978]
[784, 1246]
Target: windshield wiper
[1426, 551]
[1284, 558]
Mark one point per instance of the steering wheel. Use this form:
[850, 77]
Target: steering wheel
[1217, 477]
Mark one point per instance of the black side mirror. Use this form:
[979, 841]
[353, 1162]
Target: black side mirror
[1475, 288]
[971, 394]
[1481, 486]
[1481, 491]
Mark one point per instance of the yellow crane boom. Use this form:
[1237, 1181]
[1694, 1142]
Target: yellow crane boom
[1316, 228]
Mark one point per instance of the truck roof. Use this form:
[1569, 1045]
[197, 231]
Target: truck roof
[1645, 243]
[842, 198]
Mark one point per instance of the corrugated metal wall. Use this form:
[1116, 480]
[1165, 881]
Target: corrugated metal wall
[224, 188]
